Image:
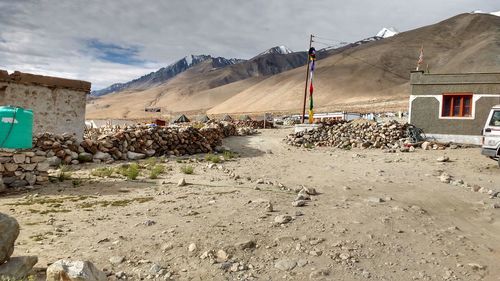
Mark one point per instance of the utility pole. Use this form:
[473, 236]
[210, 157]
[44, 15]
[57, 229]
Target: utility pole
[307, 79]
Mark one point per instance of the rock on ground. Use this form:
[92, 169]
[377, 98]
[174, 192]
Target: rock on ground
[135, 156]
[9, 230]
[282, 219]
[18, 267]
[182, 182]
[285, 265]
[66, 270]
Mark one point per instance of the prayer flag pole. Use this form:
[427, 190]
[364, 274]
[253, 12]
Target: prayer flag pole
[307, 80]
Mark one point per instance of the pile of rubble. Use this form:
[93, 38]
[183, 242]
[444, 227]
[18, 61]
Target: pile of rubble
[352, 134]
[22, 168]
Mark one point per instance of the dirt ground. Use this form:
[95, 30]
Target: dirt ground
[378, 216]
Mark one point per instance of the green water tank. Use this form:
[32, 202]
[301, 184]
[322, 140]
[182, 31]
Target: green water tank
[16, 127]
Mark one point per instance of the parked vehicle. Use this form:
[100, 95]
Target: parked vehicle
[491, 135]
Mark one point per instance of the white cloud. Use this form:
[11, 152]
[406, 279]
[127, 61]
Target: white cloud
[49, 36]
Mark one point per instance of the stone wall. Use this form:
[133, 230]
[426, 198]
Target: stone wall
[58, 104]
[22, 168]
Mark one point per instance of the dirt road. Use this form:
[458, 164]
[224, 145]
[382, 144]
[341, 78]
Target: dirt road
[377, 216]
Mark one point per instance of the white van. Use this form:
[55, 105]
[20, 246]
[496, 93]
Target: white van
[491, 135]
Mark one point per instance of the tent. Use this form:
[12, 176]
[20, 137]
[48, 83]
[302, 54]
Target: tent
[245, 118]
[180, 119]
[227, 118]
[204, 118]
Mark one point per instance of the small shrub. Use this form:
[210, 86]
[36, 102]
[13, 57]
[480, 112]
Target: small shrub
[151, 162]
[156, 171]
[130, 171]
[76, 182]
[64, 173]
[187, 169]
[228, 155]
[102, 172]
[64, 168]
[212, 158]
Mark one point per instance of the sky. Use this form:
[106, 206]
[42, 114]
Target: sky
[112, 41]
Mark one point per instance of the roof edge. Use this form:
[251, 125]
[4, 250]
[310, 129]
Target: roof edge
[48, 81]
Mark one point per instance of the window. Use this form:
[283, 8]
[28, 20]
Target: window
[457, 105]
[495, 119]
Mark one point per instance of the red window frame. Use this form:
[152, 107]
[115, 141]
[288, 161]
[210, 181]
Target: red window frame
[455, 105]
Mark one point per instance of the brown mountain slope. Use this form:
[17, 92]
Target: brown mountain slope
[370, 77]
[197, 89]
[375, 76]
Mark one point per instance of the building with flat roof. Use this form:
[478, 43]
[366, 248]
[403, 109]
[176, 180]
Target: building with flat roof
[453, 107]
[58, 104]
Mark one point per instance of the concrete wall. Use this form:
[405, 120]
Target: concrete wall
[58, 104]
[427, 97]
[425, 115]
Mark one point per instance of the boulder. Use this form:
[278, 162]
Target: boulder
[66, 270]
[135, 156]
[9, 230]
[18, 267]
[85, 157]
[53, 161]
[102, 155]
[2, 186]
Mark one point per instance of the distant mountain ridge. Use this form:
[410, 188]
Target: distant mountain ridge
[165, 73]
[280, 50]
[370, 74]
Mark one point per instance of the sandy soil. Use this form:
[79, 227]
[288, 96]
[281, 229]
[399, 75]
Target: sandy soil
[423, 230]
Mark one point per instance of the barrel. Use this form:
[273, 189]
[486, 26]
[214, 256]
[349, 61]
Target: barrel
[16, 127]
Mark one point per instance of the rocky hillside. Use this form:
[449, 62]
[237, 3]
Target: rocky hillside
[196, 88]
[165, 73]
[375, 76]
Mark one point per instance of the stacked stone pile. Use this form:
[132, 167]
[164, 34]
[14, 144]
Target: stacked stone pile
[225, 128]
[253, 124]
[133, 142]
[149, 141]
[19, 169]
[358, 133]
[63, 149]
[213, 135]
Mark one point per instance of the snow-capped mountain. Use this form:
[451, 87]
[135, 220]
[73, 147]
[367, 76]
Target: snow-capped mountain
[497, 13]
[165, 73]
[387, 32]
[280, 50]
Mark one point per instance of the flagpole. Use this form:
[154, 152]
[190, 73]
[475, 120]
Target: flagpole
[307, 79]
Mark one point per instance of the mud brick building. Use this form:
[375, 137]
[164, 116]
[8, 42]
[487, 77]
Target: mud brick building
[58, 104]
